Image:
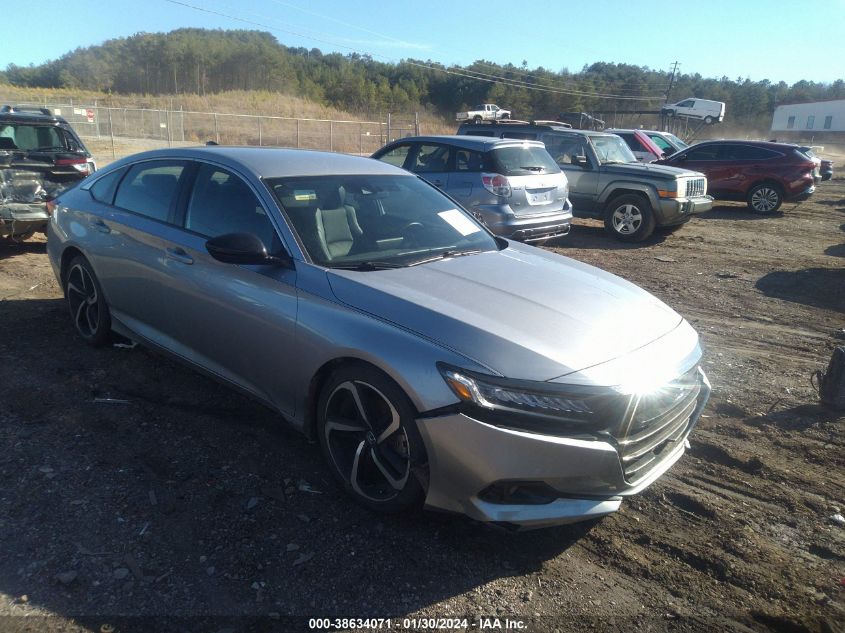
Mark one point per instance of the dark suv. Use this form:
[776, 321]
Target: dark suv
[763, 174]
[40, 156]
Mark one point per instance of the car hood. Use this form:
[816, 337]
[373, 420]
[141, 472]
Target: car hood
[521, 312]
[646, 170]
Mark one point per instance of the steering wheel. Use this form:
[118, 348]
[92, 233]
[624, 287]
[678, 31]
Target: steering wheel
[411, 233]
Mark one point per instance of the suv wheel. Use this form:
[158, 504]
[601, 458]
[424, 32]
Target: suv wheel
[629, 218]
[476, 119]
[765, 198]
[708, 120]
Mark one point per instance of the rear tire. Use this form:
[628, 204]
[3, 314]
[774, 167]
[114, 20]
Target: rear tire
[708, 120]
[89, 311]
[765, 198]
[476, 119]
[629, 218]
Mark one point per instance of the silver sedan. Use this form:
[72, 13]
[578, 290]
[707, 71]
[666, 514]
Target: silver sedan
[431, 360]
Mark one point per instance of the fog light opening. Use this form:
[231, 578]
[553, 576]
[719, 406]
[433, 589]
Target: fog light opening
[519, 493]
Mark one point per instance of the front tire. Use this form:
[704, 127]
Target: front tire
[366, 429]
[629, 218]
[89, 311]
[765, 198]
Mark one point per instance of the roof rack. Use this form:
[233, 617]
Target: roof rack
[498, 122]
[34, 109]
[551, 122]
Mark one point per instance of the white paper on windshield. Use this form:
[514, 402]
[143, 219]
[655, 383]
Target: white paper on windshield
[458, 221]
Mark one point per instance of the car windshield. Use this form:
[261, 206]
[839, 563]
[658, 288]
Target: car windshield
[676, 141]
[372, 222]
[612, 149]
[31, 137]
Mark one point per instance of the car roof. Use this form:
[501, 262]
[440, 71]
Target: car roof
[31, 117]
[478, 143]
[272, 162]
[764, 144]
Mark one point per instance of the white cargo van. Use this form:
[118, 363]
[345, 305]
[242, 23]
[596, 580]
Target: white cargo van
[708, 111]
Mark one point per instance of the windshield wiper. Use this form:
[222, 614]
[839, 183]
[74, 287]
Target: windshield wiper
[533, 167]
[368, 265]
[444, 255]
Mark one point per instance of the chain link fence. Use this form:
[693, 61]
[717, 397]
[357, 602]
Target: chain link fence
[120, 131]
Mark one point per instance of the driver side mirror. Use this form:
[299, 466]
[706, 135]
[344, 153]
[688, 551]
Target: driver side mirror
[581, 161]
[245, 249]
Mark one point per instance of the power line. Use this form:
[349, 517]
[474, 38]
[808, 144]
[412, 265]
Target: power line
[390, 38]
[495, 79]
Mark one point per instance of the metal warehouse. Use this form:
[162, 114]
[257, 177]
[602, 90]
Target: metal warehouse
[816, 118]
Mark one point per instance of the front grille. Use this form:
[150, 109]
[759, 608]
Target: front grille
[696, 187]
[658, 421]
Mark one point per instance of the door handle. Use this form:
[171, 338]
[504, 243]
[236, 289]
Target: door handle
[178, 255]
[100, 226]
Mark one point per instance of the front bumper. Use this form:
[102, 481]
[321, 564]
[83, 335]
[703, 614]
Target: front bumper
[525, 228]
[678, 210]
[467, 456]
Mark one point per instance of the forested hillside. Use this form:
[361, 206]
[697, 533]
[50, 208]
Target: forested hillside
[209, 61]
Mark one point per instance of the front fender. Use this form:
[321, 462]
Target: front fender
[624, 187]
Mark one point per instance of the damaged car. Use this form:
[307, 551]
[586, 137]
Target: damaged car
[433, 361]
[40, 156]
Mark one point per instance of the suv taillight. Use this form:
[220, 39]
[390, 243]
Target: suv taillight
[496, 184]
[80, 164]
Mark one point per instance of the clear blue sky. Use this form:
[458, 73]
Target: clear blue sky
[759, 39]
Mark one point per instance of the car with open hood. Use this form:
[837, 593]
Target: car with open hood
[433, 361]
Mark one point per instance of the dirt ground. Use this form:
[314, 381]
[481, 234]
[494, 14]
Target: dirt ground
[184, 506]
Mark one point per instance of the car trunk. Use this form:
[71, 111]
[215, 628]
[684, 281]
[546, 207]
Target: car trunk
[27, 182]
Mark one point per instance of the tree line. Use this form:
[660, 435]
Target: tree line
[201, 61]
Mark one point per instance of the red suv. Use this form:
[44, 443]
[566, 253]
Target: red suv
[762, 174]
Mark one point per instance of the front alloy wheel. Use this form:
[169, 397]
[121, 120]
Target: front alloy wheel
[764, 199]
[365, 426]
[88, 309]
[630, 218]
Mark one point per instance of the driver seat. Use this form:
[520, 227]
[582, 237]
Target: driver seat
[338, 231]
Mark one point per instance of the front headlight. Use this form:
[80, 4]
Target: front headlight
[540, 406]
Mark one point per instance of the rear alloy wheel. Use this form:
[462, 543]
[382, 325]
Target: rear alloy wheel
[88, 309]
[629, 218]
[366, 429]
[764, 199]
[476, 119]
[708, 120]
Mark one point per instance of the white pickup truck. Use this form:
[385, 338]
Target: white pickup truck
[484, 112]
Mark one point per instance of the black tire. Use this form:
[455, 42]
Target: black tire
[708, 120]
[476, 119]
[366, 429]
[89, 311]
[765, 198]
[629, 218]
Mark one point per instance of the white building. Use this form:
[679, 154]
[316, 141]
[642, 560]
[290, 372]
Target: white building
[817, 118]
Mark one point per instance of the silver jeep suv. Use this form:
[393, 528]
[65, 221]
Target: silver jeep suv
[513, 186]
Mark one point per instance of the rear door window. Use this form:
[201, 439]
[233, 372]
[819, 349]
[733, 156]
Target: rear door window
[149, 189]
[468, 161]
[103, 190]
